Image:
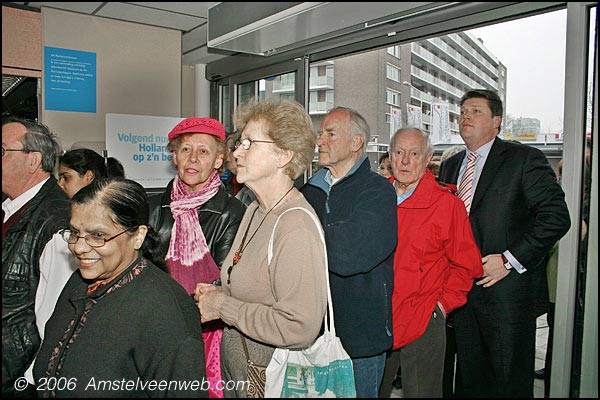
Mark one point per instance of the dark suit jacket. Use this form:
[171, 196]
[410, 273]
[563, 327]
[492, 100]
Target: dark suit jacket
[518, 205]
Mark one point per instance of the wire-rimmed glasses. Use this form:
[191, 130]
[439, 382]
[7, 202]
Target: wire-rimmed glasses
[246, 143]
[4, 150]
[95, 240]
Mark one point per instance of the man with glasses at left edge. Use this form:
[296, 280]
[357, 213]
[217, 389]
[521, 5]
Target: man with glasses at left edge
[36, 261]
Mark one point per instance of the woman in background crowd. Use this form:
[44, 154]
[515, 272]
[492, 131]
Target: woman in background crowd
[79, 167]
[385, 166]
[240, 191]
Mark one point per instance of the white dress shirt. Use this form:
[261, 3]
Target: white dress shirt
[56, 266]
[482, 154]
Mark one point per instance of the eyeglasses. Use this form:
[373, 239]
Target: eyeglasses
[246, 143]
[96, 240]
[4, 150]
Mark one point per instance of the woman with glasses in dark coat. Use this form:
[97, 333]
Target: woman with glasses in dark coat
[121, 327]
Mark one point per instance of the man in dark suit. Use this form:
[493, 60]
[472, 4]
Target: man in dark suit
[517, 213]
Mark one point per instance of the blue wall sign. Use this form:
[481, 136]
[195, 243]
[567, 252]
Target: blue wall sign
[69, 80]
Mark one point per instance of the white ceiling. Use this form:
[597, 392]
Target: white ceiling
[188, 17]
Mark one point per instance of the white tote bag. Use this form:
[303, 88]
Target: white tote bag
[322, 370]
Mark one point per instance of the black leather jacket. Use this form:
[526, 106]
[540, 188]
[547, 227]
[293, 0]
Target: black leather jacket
[22, 246]
[219, 218]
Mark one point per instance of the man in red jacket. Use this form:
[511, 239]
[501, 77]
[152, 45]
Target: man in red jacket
[435, 263]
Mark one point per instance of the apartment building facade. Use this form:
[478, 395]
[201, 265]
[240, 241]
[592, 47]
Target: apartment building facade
[381, 84]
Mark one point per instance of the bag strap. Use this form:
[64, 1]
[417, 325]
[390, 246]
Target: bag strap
[245, 347]
[329, 320]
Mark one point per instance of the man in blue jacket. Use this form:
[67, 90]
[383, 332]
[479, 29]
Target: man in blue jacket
[357, 208]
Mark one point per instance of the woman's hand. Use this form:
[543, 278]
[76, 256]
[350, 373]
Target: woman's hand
[209, 304]
[202, 288]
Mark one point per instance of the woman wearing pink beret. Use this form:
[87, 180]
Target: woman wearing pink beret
[197, 219]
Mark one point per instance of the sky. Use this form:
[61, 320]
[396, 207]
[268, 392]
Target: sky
[533, 50]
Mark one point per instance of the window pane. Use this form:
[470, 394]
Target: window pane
[282, 86]
[246, 91]
[225, 116]
[425, 87]
[392, 72]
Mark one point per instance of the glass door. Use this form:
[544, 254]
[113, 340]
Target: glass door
[284, 81]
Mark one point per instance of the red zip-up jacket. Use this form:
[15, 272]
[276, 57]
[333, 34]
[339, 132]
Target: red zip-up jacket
[436, 258]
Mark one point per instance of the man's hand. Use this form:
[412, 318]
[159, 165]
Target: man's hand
[493, 270]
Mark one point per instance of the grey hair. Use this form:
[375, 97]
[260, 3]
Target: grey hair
[449, 152]
[358, 125]
[39, 138]
[429, 146]
[287, 123]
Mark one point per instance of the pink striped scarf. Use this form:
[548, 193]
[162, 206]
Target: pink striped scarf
[189, 262]
[188, 243]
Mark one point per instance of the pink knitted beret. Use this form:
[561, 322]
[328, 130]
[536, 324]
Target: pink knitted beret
[204, 125]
